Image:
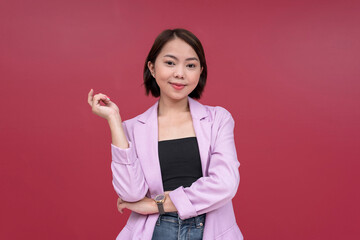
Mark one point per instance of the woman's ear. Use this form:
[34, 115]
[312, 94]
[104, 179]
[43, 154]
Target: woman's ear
[151, 68]
[201, 70]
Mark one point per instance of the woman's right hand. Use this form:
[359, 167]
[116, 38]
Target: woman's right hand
[107, 111]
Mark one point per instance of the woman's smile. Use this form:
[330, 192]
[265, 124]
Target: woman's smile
[178, 86]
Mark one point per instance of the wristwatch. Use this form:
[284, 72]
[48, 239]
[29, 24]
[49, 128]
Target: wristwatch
[160, 199]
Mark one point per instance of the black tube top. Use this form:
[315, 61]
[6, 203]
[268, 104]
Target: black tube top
[179, 162]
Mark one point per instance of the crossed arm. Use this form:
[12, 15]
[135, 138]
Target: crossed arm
[146, 205]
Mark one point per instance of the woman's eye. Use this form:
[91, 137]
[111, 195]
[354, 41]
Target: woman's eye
[191, 65]
[169, 63]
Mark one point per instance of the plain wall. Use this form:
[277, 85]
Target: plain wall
[288, 71]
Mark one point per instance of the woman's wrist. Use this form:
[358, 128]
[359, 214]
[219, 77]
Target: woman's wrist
[114, 120]
[168, 204]
[154, 207]
[117, 132]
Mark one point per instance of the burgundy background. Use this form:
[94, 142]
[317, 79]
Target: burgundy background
[288, 71]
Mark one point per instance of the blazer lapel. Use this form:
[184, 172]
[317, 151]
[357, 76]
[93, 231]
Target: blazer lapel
[202, 127]
[146, 140]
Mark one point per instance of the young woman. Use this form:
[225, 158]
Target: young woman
[174, 166]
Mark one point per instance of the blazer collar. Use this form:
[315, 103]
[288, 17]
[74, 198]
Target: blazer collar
[197, 111]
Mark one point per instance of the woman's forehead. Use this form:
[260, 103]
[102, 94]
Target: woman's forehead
[178, 48]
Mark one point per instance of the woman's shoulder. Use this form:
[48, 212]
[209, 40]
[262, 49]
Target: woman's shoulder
[131, 121]
[142, 117]
[217, 112]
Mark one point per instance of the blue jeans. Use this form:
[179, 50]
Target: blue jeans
[170, 227]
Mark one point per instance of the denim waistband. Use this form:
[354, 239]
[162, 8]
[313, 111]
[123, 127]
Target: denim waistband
[200, 219]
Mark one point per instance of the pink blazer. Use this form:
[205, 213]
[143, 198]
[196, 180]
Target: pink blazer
[136, 173]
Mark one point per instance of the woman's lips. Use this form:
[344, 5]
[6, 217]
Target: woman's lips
[177, 86]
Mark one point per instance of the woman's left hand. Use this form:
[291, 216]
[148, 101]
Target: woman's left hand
[145, 206]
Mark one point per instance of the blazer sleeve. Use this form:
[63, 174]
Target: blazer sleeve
[128, 177]
[220, 186]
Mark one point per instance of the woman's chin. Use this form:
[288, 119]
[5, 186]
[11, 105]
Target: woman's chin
[177, 97]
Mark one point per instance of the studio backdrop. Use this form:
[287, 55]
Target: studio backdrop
[288, 71]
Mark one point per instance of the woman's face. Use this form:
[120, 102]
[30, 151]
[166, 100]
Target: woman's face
[176, 70]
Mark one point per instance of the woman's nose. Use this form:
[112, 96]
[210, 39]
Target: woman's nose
[179, 72]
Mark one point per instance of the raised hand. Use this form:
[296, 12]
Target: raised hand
[106, 111]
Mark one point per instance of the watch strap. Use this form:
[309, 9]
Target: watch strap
[161, 208]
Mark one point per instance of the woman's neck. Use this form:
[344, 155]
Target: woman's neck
[169, 107]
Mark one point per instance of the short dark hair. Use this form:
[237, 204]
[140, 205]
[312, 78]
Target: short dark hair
[160, 41]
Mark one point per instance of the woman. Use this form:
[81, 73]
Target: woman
[174, 166]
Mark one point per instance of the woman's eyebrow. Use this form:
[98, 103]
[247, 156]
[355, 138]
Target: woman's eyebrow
[188, 59]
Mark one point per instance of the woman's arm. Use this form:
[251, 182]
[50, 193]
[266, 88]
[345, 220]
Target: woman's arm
[117, 132]
[128, 178]
[146, 205]
[111, 113]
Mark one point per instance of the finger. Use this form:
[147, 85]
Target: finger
[90, 97]
[120, 208]
[101, 97]
[107, 98]
[97, 98]
[105, 101]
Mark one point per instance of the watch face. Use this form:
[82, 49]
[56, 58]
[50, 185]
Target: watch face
[159, 197]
